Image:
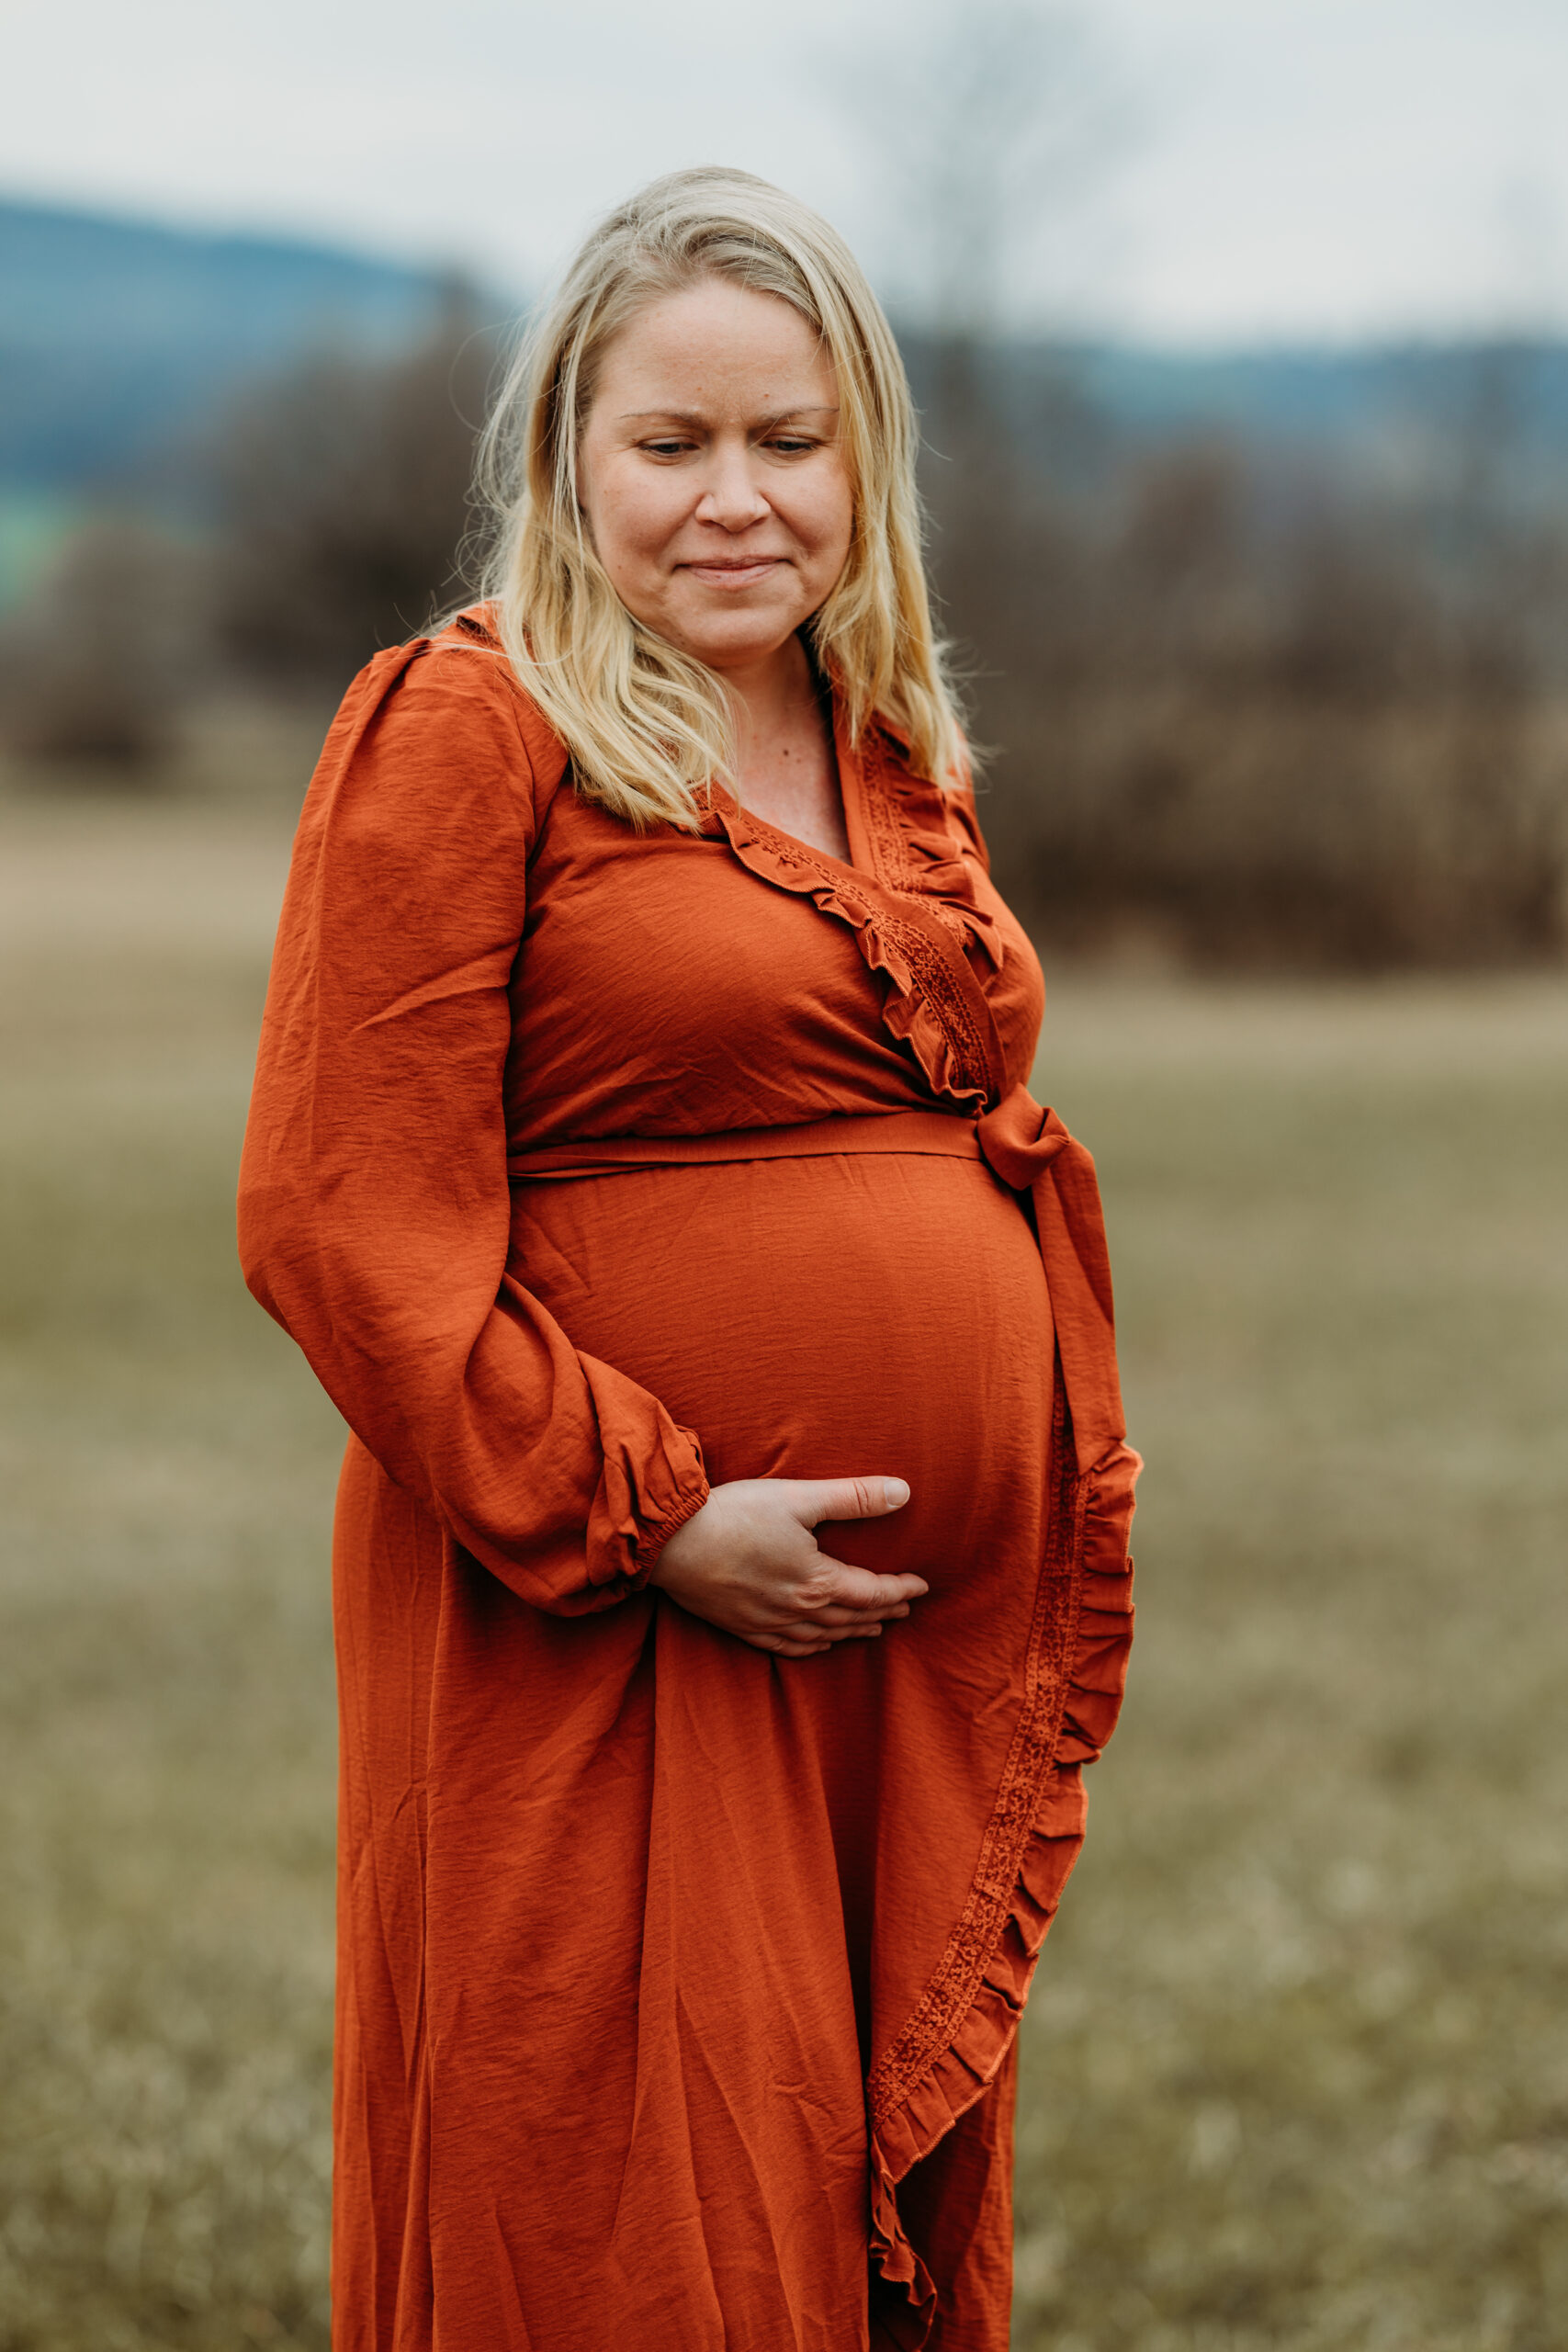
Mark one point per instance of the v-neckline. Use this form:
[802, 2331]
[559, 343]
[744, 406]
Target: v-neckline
[937, 1004]
[851, 767]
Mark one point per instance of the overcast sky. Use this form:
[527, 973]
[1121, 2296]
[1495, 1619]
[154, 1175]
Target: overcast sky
[1255, 168]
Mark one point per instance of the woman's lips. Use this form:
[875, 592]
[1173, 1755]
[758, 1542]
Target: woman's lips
[733, 574]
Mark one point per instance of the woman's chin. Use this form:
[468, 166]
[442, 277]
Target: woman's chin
[736, 639]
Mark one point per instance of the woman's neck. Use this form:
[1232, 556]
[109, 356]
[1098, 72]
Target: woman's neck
[788, 775]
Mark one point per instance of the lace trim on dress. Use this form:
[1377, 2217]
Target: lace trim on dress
[950, 2050]
[946, 1025]
[913, 846]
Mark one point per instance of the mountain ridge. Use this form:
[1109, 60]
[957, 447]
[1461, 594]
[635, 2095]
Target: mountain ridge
[120, 337]
[117, 335]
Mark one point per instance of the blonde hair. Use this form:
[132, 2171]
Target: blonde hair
[648, 726]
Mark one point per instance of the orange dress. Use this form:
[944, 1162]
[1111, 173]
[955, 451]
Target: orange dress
[678, 1984]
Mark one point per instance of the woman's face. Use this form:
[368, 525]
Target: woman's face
[711, 472]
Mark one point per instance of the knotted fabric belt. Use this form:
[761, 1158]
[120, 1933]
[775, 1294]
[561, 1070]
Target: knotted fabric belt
[1027, 1148]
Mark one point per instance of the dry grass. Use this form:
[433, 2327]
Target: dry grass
[1297, 2068]
[168, 1703]
[1298, 2064]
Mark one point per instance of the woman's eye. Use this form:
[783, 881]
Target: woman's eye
[789, 444]
[667, 449]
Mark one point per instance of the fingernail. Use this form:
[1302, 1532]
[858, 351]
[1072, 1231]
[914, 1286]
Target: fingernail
[896, 1493]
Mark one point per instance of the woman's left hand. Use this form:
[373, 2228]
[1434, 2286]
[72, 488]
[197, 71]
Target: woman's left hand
[748, 1562]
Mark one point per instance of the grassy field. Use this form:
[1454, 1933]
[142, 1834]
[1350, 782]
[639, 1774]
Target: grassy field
[1297, 2066]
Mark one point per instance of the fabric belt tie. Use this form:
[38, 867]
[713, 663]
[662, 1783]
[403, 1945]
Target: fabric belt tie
[1031, 1150]
[1026, 1147]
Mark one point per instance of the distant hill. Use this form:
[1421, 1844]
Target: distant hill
[1340, 394]
[1394, 412]
[116, 337]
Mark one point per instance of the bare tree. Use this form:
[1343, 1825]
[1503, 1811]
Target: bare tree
[342, 501]
[991, 127]
[1254, 710]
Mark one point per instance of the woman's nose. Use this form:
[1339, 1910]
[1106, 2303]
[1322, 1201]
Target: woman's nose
[732, 497]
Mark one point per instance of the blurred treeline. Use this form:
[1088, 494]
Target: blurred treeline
[320, 515]
[1245, 702]
[1256, 703]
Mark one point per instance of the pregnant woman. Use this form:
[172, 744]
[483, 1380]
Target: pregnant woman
[730, 1562]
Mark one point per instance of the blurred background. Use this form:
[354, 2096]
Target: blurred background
[1239, 330]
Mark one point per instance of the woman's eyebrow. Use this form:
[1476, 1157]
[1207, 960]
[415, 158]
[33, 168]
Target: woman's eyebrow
[689, 416]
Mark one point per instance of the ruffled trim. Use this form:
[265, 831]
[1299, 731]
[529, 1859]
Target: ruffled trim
[913, 843]
[946, 1023]
[950, 2050]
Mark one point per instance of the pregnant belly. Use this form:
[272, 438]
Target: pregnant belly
[821, 1317]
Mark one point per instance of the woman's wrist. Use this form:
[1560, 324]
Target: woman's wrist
[650, 1545]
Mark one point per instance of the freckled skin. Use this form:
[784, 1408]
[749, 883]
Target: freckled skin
[721, 508]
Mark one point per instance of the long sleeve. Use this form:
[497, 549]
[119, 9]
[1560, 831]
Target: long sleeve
[374, 1206]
